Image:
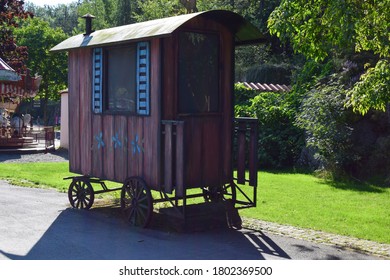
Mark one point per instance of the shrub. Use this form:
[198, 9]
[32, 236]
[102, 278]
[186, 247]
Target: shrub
[280, 141]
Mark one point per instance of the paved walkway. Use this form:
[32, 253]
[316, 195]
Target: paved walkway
[320, 237]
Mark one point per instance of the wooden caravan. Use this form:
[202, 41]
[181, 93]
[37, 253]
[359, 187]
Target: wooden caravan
[151, 107]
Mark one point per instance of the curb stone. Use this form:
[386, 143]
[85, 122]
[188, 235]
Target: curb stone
[345, 242]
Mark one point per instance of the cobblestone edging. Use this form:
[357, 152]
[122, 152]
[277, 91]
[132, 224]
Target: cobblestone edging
[366, 246]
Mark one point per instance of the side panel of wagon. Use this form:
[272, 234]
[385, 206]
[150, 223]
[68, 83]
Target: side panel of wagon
[113, 146]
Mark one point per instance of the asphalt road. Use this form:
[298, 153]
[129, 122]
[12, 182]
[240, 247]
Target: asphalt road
[38, 224]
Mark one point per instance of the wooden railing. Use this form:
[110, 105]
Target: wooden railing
[246, 137]
[247, 134]
[173, 156]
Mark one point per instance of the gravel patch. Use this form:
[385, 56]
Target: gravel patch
[18, 157]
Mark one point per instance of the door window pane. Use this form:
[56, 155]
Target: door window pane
[198, 73]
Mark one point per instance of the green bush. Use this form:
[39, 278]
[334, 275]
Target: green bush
[280, 141]
[325, 120]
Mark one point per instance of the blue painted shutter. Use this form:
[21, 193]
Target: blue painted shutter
[97, 77]
[143, 79]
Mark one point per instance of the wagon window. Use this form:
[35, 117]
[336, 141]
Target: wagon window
[198, 72]
[121, 79]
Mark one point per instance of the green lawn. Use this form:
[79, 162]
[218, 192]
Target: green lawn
[360, 210]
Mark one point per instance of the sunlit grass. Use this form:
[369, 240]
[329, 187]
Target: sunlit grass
[355, 209]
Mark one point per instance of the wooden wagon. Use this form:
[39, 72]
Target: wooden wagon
[151, 107]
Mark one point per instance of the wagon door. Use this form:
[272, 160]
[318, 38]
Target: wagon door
[200, 105]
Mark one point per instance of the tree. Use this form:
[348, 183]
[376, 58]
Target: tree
[101, 9]
[124, 9]
[11, 13]
[154, 9]
[329, 29]
[39, 37]
[61, 15]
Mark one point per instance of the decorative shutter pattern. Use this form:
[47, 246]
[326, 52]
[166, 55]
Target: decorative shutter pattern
[97, 74]
[143, 81]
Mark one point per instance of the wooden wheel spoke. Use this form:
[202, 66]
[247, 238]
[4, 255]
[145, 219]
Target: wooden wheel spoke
[130, 214]
[143, 206]
[136, 192]
[141, 199]
[73, 200]
[132, 192]
[141, 214]
[136, 202]
[81, 194]
[133, 217]
[78, 203]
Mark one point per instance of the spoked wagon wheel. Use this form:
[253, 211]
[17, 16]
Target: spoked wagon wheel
[136, 202]
[80, 194]
[222, 193]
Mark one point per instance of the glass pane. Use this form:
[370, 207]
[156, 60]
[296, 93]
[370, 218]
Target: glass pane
[121, 79]
[198, 72]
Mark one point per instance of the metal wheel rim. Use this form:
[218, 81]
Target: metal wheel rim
[80, 194]
[136, 202]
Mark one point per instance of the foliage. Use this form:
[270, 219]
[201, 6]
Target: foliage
[124, 12]
[11, 13]
[280, 142]
[316, 28]
[325, 120]
[101, 9]
[373, 27]
[329, 29]
[242, 100]
[61, 15]
[153, 9]
[373, 89]
[270, 73]
[39, 37]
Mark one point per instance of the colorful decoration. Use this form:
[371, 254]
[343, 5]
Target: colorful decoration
[137, 148]
[116, 142]
[99, 139]
[136, 143]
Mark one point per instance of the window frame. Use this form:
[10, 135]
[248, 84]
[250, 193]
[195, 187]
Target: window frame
[100, 96]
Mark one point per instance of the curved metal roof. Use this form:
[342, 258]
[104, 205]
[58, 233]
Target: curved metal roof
[245, 32]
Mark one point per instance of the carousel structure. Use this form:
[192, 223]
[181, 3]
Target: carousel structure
[16, 131]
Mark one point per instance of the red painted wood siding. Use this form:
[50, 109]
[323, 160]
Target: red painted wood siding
[112, 147]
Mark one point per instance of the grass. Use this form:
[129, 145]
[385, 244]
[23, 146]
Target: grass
[353, 209]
